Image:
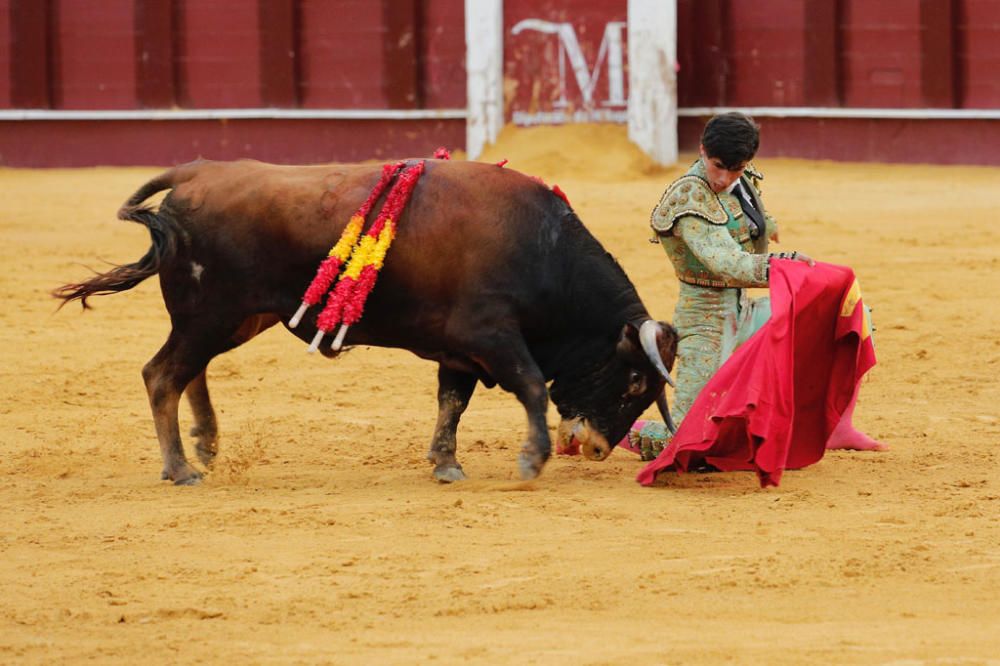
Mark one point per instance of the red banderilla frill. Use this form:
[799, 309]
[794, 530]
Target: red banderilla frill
[346, 302]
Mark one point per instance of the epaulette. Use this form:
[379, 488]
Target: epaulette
[688, 195]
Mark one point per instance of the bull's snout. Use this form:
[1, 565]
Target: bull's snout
[577, 435]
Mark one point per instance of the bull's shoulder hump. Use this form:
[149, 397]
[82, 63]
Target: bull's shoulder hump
[688, 195]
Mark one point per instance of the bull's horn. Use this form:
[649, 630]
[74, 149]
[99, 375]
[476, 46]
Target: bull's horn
[661, 402]
[648, 333]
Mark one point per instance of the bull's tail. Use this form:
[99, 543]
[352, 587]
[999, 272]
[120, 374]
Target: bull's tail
[164, 233]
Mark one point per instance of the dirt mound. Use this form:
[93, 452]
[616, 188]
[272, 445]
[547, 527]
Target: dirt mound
[588, 151]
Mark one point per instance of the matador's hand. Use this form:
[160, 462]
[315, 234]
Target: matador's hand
[793, 256]
[798, 256]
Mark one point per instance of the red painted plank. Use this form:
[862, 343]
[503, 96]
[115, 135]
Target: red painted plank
[881, 53]
[822, 72]
[218, 54]
[341, 54]
[278, 84]
[701, 52]
[401, 73]
[443, 53]
[937, 53]
[765, 45]
[95, 68]
[154, 53]
[30, 73]
[978, 53]
[5, 59]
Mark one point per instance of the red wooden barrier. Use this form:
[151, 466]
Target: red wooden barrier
[218, 54]
[5, 48]
[442, 43]
[95, 67]
[978, 48]
[409, 54]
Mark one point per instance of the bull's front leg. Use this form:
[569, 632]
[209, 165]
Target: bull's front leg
[516, 371]
[454, 391]
[538, 447]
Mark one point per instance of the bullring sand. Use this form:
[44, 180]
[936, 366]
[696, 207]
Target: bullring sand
[321, 537]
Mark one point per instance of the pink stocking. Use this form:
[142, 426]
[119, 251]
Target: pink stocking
[846, 436]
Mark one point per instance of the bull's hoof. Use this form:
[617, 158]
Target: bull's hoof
[192, 480]
[529, 466]
[206, 455]
[207, 445]
[449, 473]
[182, 476]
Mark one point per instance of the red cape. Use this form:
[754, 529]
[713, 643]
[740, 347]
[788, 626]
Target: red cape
[774, 403]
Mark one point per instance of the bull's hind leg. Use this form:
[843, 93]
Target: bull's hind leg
[193, 342]
[454, 391]
[206, 428]
[177, 363]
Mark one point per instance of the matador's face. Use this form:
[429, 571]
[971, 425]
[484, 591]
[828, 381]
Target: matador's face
[720, 177]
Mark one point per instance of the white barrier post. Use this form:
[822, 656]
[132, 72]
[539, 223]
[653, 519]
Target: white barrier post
[652, 95]
[484, 71]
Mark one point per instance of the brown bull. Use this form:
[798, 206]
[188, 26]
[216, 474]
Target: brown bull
[491, 275]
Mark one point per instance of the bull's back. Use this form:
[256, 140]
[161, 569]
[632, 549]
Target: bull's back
[470, 231]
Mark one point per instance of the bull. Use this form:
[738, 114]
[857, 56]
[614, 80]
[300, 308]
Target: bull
[492, 275]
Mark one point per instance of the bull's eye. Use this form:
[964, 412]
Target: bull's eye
[636, 383]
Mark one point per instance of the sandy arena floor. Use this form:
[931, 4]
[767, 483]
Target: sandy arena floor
[321, 537]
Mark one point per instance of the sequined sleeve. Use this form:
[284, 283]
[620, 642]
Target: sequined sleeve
[716, 249]
[770, 227]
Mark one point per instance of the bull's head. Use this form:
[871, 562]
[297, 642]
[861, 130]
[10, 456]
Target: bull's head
[598, 403]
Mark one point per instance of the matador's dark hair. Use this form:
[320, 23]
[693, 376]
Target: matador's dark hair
[732, 138]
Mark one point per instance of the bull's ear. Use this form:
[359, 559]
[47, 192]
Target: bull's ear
[629, 348]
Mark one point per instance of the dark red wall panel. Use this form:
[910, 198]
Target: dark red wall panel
[218, 53]
[937, 53]
[277, 54]
[5, 60]
[978, 33]
[96, 47]
[31, 55]
[443, 53]
[765, 51]
[154, 53]
[401, 71]
[881, 53]
[341, 54]
[701, 52]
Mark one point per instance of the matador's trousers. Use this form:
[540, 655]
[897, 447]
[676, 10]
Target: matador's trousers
[711, 323]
